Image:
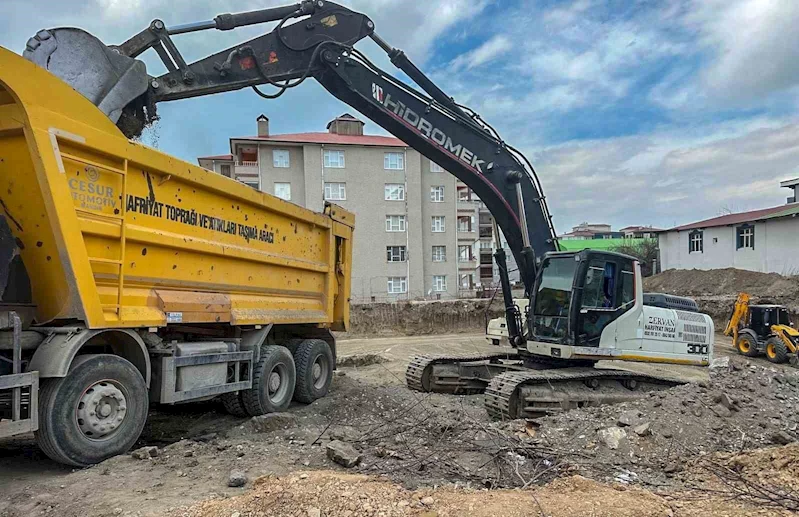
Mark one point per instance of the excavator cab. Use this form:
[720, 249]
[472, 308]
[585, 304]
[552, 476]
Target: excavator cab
[577, 294]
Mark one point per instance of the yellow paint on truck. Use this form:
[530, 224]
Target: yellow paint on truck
[116, 234]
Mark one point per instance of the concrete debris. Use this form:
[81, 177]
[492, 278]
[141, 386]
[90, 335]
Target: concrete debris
[272, 422]
[643, 429]
[314, 512]
[727, 401]
[343, 453]
[427, 501]
[721, 411]
[612, 437]
[720, 362]
[145, 453]
[782, 438]
[236, 479]
[630, 418]
[360, 360]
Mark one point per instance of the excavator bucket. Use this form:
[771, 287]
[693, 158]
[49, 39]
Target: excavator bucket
[107, 78]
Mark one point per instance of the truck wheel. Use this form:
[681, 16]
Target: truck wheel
[776, 351]
[314, 361]
[273, 380]
[292, 345]
[233, 404]
[97, 411]
[746, 345]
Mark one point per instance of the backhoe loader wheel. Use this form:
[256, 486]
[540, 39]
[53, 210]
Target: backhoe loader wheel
[97, 411]
[776, 351]
[233, 404]
[273, 380]
[746, 344]
[314, 361]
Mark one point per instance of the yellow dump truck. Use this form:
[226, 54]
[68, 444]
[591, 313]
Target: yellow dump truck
[133, 277]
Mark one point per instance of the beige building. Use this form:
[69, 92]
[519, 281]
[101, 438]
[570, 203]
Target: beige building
[420, 233]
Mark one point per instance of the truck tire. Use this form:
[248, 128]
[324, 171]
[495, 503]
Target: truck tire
[292, 345]
[97, 411]
[233, 404]
[273, 379]
[776, 351]
[314, 361]
[746, 344]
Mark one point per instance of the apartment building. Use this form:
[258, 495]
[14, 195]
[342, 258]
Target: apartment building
[420, 233]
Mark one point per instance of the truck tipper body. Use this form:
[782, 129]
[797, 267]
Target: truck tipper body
[117, 260]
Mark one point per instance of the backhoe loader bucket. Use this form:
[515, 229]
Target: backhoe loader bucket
[102, 75]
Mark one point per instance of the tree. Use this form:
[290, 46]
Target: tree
[645, 250]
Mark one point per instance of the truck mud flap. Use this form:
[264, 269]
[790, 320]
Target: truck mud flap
[19, 392]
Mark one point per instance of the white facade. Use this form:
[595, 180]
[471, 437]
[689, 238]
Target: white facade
[776, 248]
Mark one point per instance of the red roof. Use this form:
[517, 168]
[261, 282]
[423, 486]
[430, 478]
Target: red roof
[329, 138]
[640, 229]
[730, 219]
[220, 157]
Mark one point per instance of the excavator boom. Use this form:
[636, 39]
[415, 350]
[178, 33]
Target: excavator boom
[319, 45]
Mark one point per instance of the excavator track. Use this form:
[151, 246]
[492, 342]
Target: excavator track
[419, 374]
[534, 393]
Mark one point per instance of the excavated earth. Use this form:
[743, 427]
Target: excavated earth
[689, 450]
[715, 291]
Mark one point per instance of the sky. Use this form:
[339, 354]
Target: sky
[633, 112]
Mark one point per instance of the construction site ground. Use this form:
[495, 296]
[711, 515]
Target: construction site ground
[723, 449]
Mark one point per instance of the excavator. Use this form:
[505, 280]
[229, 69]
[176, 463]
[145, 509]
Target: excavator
[584, 336]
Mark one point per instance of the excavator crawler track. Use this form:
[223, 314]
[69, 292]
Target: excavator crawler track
[419, 374]
[531, 394]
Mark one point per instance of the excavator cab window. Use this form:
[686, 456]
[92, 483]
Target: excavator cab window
[608, 292]
[553, 297]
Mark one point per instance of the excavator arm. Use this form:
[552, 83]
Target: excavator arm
[319, 44]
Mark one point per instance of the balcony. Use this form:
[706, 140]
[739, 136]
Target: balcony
[243, 168]
[486, 232]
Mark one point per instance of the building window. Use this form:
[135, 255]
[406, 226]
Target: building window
[397, 285]
[437, 194]
[746, 236]
[395, 192]
[283, 191]
[394, 161]
[695, 242]
[465, 223]
[280, 158]
[252, 184]
[439, 283]
[465, 254]
[334, 159]
[438, 224]
[467, 281]
[396, 253]
[434, 167]
[335, 191]
[395, 223]
[439, 253]
[225, 170]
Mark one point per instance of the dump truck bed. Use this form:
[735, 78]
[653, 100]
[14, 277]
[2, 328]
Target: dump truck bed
[113, 233]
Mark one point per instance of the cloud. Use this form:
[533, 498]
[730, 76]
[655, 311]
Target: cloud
[486, 52]
[753, 52]
[669, 178]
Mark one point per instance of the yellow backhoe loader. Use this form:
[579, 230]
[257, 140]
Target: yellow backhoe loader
[763, 329]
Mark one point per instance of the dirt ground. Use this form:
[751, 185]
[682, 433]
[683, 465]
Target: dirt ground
[441, 455]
